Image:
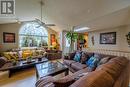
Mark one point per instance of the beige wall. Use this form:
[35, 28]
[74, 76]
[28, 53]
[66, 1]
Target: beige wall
[14, 28]
[121, 43]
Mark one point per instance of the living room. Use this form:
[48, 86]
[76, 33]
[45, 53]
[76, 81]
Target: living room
[64, 43]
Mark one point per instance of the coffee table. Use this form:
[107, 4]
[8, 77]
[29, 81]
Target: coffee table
[50, 69]
[21, 64]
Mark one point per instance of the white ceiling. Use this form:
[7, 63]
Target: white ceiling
[96, 14]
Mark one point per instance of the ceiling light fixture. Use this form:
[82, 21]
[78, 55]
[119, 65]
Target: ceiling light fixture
[82, 29]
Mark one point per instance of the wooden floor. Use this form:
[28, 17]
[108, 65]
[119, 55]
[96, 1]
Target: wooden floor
[26, 78]
[21, 79]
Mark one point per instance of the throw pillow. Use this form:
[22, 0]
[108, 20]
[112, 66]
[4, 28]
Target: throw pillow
[84, 58]
[92, 63]
[103, 61]
[14, 56]
[77, 57]
[6, 55]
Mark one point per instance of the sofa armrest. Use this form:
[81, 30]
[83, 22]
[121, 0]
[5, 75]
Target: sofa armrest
[44, 81]
[65, 82]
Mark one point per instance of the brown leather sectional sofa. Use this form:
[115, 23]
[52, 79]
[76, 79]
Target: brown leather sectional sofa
[114, 73]
[73, 65]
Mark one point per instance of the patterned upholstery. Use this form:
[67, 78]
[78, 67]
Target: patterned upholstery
[11, 55]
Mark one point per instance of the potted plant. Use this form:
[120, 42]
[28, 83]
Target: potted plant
[71, 37]
[14, 62]
[81, 38]
[128, 38]
[29, 59]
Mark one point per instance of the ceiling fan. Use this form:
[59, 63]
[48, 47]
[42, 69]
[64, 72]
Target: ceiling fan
[39, 21]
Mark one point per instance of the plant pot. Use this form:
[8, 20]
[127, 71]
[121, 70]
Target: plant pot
[14, 63]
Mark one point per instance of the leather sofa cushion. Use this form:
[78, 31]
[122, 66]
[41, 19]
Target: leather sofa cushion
[114, 67]
[63, 82]
[98, 78]
[68, 62]
[78, 66]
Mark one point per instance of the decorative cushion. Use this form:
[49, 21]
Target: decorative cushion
[11, 55]
[84, 58]
[92, 63]
[14, 56]
[103, 61]
[77, 57]
[6, 55]
[2, 61]
[97, 56]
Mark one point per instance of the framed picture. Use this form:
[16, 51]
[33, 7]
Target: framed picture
[53, 39]
[8, 37]
[108, 38]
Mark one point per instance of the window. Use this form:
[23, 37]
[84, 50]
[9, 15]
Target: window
[67, 42]
[33, 35]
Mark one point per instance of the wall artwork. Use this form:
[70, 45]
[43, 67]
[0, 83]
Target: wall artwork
[53, 39]
[108, 38]
[128, 39]
[8, 37]
[92, 39]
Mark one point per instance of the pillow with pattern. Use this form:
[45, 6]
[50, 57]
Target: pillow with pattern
[84, 58]
[92, 63]
[77, 57]
[104, 60]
